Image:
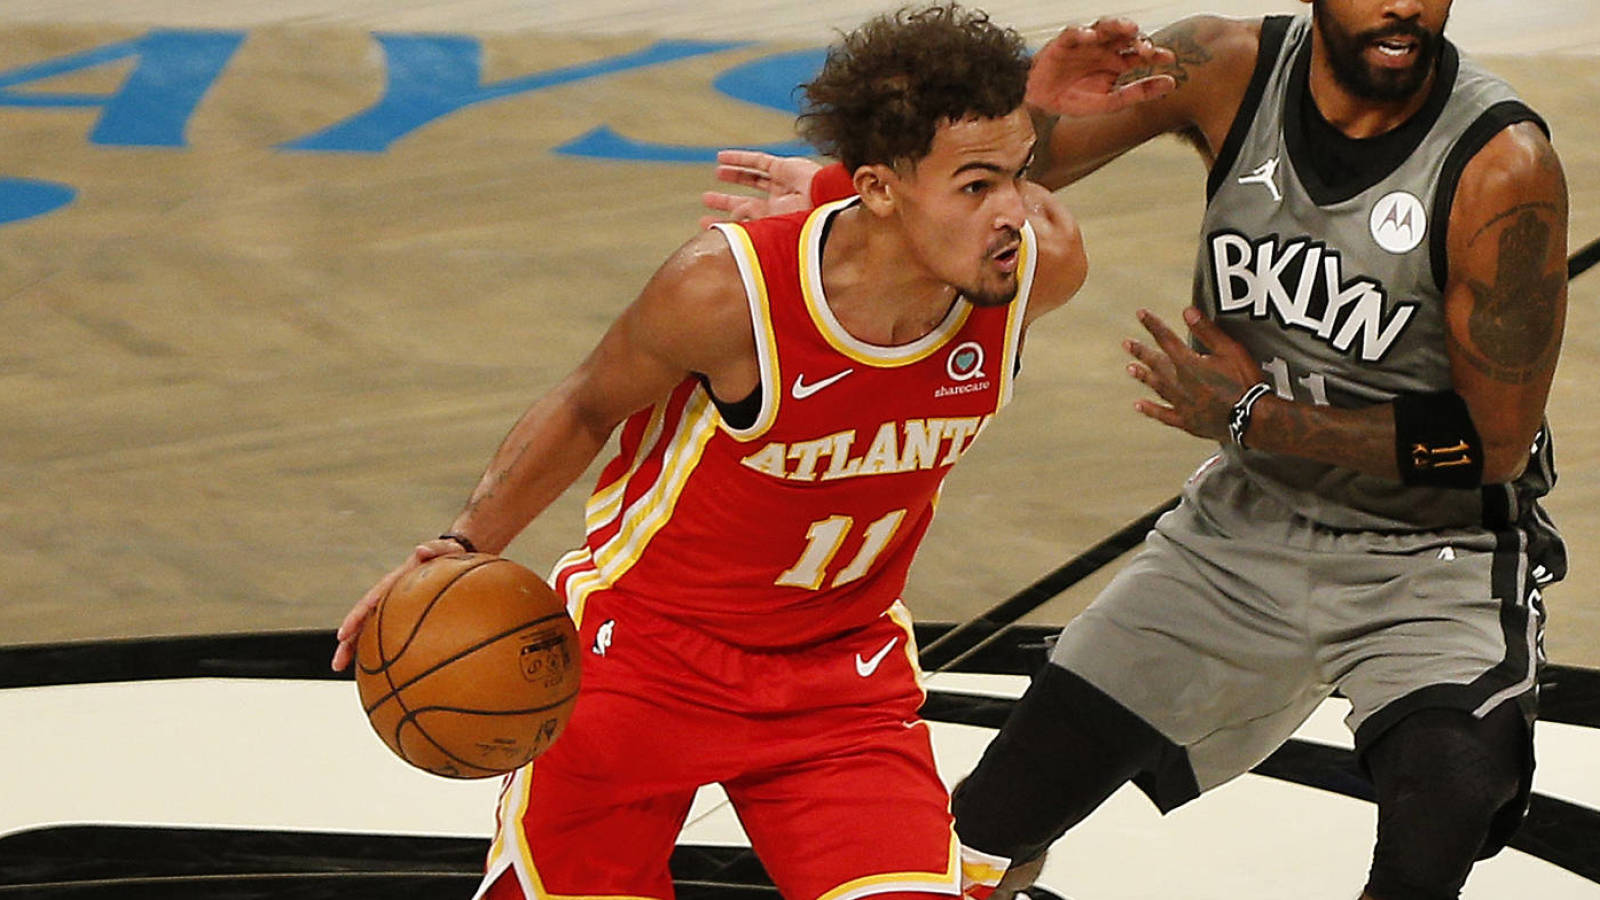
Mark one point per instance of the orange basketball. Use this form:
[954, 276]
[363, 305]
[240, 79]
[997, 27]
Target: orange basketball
[468, 667]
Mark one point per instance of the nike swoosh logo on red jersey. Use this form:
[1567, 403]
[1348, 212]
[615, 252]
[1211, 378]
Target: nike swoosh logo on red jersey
[865, 667]
[801, 390]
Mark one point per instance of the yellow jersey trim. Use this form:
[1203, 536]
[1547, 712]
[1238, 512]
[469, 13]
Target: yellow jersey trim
[755, 291]
[648, 514]
[1016, 315]
[946, 882]
[606, 502]
[517, 800]
[834, 333]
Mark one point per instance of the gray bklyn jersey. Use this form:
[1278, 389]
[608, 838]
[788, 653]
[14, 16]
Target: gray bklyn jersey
[1340, 298]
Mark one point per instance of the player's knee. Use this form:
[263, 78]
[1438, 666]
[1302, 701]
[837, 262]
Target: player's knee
[1443, 779]
[1447, 762]
[1046, 770]
[997, 807]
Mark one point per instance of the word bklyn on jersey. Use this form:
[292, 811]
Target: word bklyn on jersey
[927, 443]
[1301, 282]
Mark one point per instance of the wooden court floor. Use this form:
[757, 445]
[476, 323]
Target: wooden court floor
[282, 322]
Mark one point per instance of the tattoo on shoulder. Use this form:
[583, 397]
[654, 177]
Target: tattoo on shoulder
[1513, 320]
[1181, 39]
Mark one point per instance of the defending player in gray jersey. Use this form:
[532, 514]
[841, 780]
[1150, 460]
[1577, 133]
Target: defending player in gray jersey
[1379, 297]
[1335, 282]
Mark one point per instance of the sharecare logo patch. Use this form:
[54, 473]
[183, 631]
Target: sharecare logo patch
[965, 362]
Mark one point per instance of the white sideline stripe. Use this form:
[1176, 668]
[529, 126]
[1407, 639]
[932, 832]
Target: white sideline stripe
[172, 752]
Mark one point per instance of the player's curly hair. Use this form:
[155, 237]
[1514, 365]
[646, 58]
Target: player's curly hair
[885, 87]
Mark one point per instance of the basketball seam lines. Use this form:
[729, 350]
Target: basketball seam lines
[491, 712]
[409, 715]
[396, 689]
[383, 660]
[412, 716]
[384, 663]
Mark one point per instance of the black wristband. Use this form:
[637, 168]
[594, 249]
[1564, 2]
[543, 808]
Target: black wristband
[463, 540]
[1239, 420]
[1435, 441]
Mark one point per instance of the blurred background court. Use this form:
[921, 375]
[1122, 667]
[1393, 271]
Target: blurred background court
[274, 284]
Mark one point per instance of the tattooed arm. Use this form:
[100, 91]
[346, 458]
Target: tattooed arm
[1213, 59]
[1506, 290]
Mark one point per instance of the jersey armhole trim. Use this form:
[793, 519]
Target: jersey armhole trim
[1017, 314]
[1491, 122]
[755, 291]
[1274, 29]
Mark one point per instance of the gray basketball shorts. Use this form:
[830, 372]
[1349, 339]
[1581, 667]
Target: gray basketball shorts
[1236, 620]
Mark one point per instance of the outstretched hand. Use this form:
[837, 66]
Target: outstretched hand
[1200, 389]
[1081, 72]
[356, 619]
[785, 182]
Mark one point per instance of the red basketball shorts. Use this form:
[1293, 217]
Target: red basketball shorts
[820, 751]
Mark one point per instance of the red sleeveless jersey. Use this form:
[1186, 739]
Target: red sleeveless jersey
[803, 525]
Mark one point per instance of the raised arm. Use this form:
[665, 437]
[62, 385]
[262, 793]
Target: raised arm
[690, 317]
[1063, 266]
[1210, 64]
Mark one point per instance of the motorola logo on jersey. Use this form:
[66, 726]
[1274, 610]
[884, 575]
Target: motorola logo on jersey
[1398, 222]
[1301, 283]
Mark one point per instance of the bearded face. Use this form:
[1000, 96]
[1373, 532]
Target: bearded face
[1388, 60]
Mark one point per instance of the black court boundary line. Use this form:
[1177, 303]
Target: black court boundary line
[961, 642]
[1562, 833]
[104, 854]
[197, 863]
[1584, 259]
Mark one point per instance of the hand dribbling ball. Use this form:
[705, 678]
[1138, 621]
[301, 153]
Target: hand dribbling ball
[469, 666]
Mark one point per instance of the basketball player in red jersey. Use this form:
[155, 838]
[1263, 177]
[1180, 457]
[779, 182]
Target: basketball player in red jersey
[791, 393]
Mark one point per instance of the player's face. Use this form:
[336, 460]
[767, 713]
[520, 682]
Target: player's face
[1381, 50]
[962, 205]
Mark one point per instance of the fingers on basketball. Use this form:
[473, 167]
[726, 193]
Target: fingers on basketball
[469, 666]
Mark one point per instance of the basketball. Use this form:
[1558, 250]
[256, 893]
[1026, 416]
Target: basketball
[468, 667]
